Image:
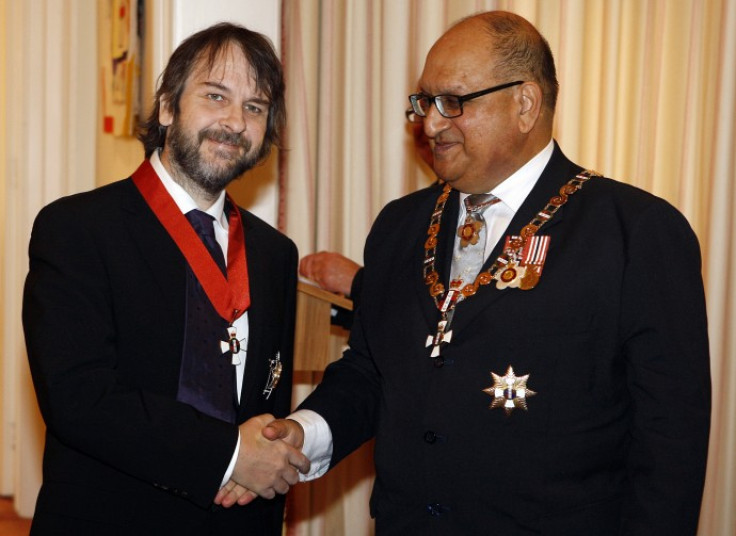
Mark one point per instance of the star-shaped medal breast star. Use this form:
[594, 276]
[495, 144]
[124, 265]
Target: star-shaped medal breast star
[509, 392]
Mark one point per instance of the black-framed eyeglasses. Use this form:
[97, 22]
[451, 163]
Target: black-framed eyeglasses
[450, 105]
[411, 116]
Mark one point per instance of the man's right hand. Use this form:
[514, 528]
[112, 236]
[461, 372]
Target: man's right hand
[265, 466]
[330, 270]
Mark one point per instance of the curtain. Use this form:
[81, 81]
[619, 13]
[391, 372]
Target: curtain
[647, 96]
[47, 132]
[718, 515]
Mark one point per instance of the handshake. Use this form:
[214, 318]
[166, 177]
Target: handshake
[269, 461]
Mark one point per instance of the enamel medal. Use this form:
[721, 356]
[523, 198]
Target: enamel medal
[509, 391]
[523, 262]
[232, 345]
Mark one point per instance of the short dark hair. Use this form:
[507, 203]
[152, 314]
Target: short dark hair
[209, 44]
[522, 52]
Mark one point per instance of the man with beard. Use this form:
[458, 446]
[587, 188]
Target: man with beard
[151, 354]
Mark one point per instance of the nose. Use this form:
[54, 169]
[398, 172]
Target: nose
[435, 122]
[233, 118]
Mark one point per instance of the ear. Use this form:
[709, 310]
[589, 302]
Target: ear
[165, 112]
[529, 99]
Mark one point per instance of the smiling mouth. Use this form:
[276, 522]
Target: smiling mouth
[223, 137]
[225, 149]
[226, 143]
[443, 147]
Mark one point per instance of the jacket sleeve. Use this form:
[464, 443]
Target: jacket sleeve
[665, 342]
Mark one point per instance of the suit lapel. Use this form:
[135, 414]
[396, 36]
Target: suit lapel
[443, 261]
[259, 314]
[156, 248]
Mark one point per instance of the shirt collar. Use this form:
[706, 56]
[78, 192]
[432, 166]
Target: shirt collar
[182, 199]
[513, 191]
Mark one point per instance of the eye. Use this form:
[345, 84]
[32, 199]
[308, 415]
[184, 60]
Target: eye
[215, 97]
[254, 109]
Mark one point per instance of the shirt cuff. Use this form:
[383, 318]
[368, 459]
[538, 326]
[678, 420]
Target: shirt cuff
[317, 442]
[231, 467]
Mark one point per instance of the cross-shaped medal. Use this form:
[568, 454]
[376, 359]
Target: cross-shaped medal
[443, 336]
[232, 345]
[438, 338]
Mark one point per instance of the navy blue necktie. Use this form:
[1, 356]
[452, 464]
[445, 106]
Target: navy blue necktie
[203, 224]
[207, 377]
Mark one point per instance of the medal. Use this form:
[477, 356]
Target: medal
[509, 276]
[274, 374]
[230, 296]
[524, 262]
[441, 336]
[232, 345]
[469, 232]
[530, 278]
[509, 392]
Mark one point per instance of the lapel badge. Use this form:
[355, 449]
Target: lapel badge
[509, 391]
[274, 374]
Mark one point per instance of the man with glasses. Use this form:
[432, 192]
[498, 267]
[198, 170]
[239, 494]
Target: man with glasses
[531, 351]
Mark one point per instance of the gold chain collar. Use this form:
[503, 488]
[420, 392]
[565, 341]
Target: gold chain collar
[432, 278]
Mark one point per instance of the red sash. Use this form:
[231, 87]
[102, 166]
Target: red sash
[230, 297]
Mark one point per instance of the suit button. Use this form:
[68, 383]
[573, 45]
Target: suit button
[439, 361]
[430, 437]
[436, 509]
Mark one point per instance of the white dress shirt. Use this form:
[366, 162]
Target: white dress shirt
[512, 192]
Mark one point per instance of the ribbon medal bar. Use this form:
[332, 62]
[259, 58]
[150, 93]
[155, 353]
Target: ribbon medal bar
[524, 262]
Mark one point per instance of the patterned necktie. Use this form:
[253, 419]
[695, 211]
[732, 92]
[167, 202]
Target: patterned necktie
[469, 251]
[207, 378]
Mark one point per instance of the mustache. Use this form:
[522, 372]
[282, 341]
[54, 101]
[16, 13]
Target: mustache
[223, 136]
[440, 139]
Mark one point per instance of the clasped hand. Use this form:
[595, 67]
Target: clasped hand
[269, 461]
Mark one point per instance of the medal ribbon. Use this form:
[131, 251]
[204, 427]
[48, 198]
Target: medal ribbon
[230, 297]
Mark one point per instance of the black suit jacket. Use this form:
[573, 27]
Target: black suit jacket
[104, 317]
[613, 339]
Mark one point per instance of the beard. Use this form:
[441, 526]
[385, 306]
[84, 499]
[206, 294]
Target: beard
[209, 174]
